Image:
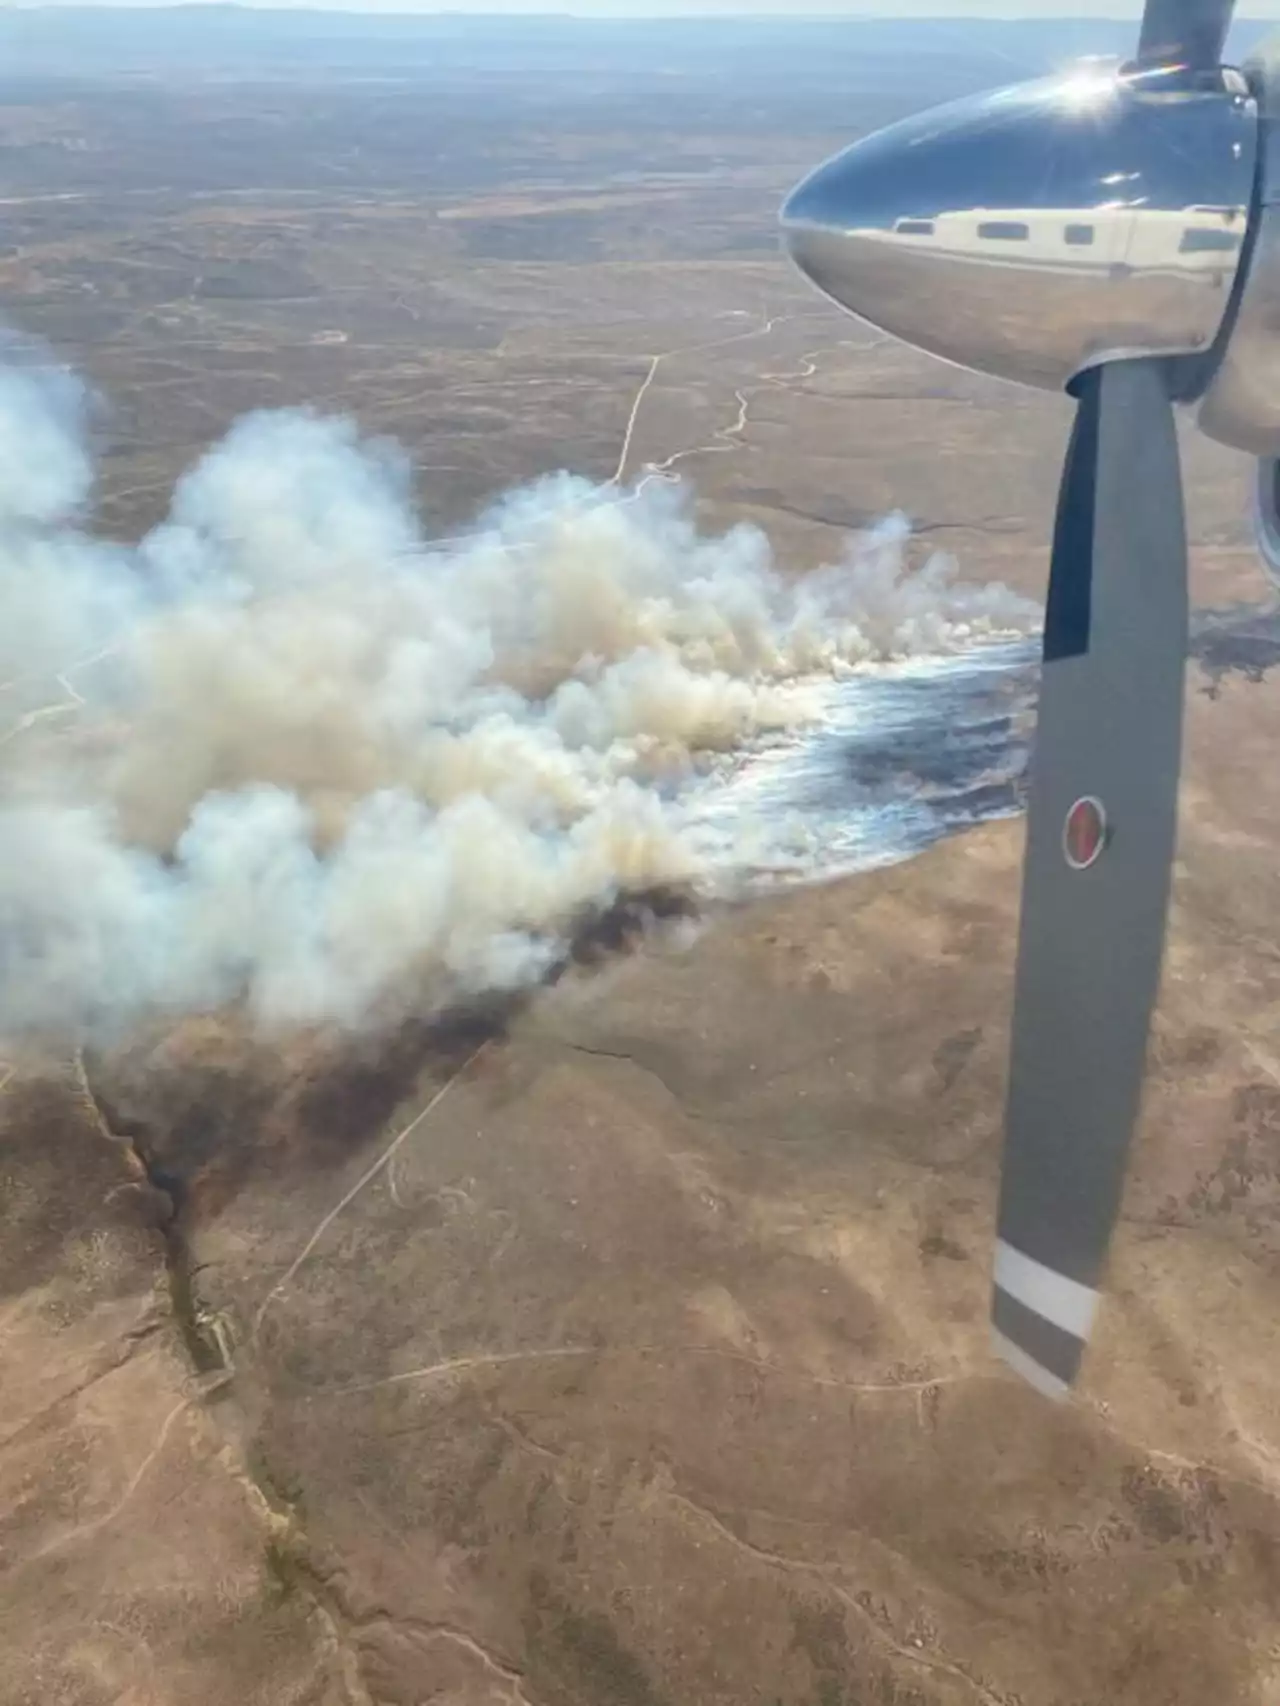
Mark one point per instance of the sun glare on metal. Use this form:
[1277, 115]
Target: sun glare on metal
[1086, 91]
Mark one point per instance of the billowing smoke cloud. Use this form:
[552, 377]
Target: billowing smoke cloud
[287, 753]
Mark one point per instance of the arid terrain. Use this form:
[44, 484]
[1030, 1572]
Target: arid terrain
[622, 1343]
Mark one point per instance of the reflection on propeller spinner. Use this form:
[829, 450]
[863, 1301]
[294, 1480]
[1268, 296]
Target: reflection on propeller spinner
[1040, 230]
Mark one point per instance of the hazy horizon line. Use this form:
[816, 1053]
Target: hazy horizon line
[623, 13]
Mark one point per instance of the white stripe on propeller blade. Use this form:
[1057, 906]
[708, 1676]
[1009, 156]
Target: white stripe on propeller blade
[1052, 1296]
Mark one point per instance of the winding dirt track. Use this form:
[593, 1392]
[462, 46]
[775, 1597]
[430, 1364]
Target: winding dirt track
[729, 438]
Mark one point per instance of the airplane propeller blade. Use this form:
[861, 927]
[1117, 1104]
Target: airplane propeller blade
[1184, 32]
[1101, 828]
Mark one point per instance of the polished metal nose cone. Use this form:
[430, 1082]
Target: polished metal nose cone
[1035, 231]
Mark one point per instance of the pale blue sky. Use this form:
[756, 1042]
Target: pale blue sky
[1264, 9]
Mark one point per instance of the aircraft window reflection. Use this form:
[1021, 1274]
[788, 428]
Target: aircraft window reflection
[1078, 236]
[1197, 240]
[914, 227]
[1005, 230]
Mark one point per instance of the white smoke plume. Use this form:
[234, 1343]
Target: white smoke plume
[286, 752]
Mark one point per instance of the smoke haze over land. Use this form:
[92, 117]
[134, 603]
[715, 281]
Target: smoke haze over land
[288, 752]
